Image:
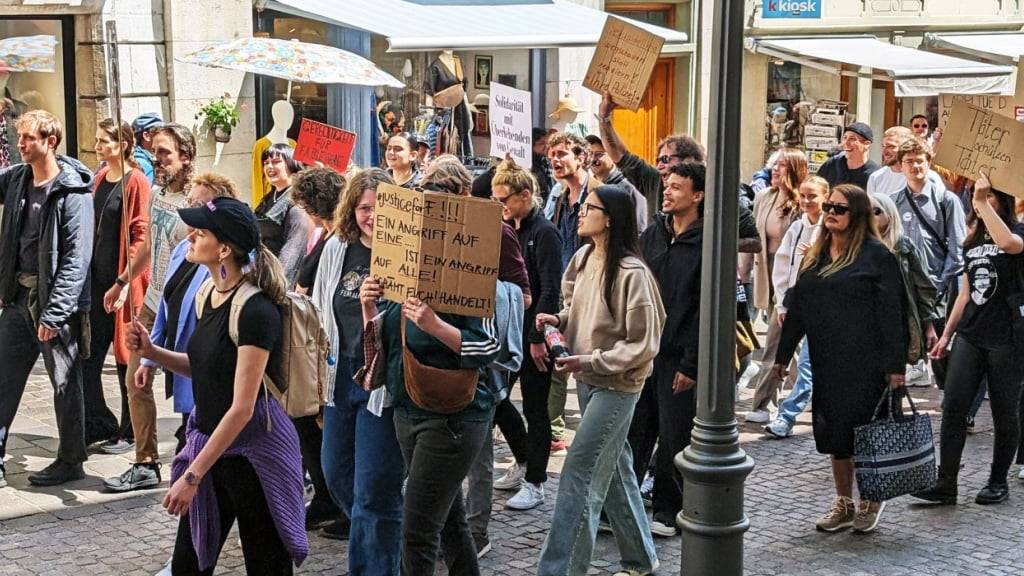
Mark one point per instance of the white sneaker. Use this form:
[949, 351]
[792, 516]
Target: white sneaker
[758, 416]
[166, 571]
[659, 528]
[529, 496]
[918, 375]
[634, 572]
[512, 478]
[1020, 475]
[779, 428]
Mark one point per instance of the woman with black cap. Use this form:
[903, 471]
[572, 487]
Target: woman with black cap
[241, 459]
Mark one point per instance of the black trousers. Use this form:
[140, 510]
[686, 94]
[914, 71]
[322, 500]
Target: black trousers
[675, 424]
[643, 430]
[100, 422]
[968, 365]
[311, 439]
[239, 497]
[19, 350]
[438, 453]
[530, 443]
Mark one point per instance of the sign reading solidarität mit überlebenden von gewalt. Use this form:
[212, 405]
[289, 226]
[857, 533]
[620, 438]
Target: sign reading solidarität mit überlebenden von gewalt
[791, 9]
[440, 248]
[511, 119]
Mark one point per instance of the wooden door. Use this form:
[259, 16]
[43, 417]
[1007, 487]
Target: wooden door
[641, 131]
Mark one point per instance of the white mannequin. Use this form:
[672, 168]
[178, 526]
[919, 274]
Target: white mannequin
[283, 114]
[565, 118]
[447, 57]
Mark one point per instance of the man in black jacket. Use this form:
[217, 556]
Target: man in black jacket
[671, 247]
[46, 237]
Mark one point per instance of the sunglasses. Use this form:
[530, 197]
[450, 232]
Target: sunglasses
[667, 158]
[920, 126]
[837, 209]
[502, 199]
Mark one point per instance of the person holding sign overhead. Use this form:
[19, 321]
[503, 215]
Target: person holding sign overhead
[989, 326]
[612, 320]
[433, 366]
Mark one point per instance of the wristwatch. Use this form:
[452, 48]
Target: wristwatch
[120, 282]
[192, 479]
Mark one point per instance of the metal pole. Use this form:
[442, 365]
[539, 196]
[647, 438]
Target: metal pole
[114, 72]
[713, 466]
[538, 84]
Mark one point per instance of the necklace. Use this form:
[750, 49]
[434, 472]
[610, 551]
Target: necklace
[237, 284]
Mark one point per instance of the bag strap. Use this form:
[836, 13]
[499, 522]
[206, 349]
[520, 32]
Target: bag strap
[924, 223]
[886, 395]
[202, 295]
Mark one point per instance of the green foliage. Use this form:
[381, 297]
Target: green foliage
[219, 114]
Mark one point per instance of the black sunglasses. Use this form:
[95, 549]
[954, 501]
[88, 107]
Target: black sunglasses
[837, 209]
[667, 158]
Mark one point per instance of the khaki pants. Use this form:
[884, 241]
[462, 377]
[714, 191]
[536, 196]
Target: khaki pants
[767, 384]
[142, 405]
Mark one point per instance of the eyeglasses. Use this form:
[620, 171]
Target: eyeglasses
[877, 211]
[587, 206]
[837, 209]
[502, 199]
[667, 158]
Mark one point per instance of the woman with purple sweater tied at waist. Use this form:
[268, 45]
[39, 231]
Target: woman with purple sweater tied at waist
[241, 459]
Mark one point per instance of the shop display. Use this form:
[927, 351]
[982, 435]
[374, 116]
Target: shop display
[821, 134]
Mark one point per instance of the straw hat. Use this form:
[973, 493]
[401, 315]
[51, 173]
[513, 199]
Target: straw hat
[481, 99]
[565, 104]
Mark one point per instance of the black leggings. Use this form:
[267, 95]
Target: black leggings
[968, 365]
[239, 496]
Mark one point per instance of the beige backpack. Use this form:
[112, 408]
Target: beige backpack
[296, 373]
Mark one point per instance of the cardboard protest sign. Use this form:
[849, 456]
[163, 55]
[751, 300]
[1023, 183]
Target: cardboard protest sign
[319, 142]
[978, 140]
[440, 248]
[623, 62]
[1002, 105]
[511, 124]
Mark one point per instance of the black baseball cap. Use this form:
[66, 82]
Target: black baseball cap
[861, 129]
[230, 220]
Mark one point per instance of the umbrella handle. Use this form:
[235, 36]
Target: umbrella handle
[288, 94]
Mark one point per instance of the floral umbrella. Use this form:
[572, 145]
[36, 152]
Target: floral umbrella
[293, 61]
[28, 54]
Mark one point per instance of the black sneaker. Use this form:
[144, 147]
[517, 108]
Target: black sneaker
[319, 513]
[3, 475]
[970, 425]
[337, 530]
[483, 544]
[993, 494]
[137, 477]
[58, 472]
[117, 446]
[937, 494]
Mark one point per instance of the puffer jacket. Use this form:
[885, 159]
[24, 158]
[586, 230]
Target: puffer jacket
[65, 240]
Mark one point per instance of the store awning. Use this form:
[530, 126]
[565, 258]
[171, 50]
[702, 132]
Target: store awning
[416, 25]
[994, 47]
[915, 72]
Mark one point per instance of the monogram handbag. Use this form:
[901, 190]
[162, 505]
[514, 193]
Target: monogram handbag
[437, 389]
[895, 455]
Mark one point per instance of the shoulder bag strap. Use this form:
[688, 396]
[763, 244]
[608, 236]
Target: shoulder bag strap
[924, 223]
[202, 295]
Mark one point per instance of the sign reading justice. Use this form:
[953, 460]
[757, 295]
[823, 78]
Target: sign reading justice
[623, 62]
[979, 140]
[440, 248]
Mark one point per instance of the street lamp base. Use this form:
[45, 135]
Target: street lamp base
[712, 520]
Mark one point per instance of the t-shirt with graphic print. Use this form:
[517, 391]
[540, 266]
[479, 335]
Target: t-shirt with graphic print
[348, 312]
[992, 277]
[166, 230]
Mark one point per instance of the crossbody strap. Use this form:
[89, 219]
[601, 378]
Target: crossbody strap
[924, 223]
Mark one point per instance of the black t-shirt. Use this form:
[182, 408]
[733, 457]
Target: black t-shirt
[31, 224]
[106, 249]
[174, 296]
[213, 356]
[348, 313]
[836, 171]
[310, 263]
[993, 276]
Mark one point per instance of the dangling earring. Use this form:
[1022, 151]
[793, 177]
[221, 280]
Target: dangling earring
[223, 271]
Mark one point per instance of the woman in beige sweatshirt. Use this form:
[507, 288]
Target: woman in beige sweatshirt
[612, 321]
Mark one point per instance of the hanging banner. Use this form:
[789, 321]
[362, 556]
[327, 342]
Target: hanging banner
[623, 62]
[977, 140]
[440, 248]
[511, 124]
[319, 142]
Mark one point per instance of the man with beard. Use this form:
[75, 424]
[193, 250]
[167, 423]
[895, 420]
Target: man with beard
[45, 250]
[174, 147]
[891, 179]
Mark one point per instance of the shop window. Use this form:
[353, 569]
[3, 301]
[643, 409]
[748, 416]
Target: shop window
[784, 81]
[657, 13]
[39, 89]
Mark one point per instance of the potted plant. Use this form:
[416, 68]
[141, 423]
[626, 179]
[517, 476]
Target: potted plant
[220, 116]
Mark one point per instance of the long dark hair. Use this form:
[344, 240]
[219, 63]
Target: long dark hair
[1006, 208]
[622, 234]
[862, 227]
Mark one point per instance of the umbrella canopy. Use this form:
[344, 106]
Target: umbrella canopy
[293, 61]
[28, 54]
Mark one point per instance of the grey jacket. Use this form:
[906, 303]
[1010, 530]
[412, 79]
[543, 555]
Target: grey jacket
[65, 241]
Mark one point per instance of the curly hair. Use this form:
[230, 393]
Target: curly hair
[684, 147]
[345, 217]
[574, 143]
[318, 191]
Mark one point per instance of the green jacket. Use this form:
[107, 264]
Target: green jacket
[921, 297]
[479, 348]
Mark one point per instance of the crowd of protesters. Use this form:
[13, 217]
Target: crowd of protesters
[867, 276]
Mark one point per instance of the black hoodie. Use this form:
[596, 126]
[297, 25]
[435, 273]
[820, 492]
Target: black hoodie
[676, 264]
[65, 239]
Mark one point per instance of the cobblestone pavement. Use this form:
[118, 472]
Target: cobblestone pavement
[78, 530]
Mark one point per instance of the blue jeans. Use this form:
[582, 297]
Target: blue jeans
[598, 473]
[800, 395]
[364, 471]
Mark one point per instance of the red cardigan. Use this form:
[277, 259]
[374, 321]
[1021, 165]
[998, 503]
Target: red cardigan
[134, 222]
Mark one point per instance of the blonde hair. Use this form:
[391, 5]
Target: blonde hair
[447, 174]
[517, 178]
[892, 234]
[220, 186]
[42, 123]
[819, 182]
[266, 273]
[903, 132]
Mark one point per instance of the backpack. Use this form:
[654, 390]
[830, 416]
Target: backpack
[296, 372]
